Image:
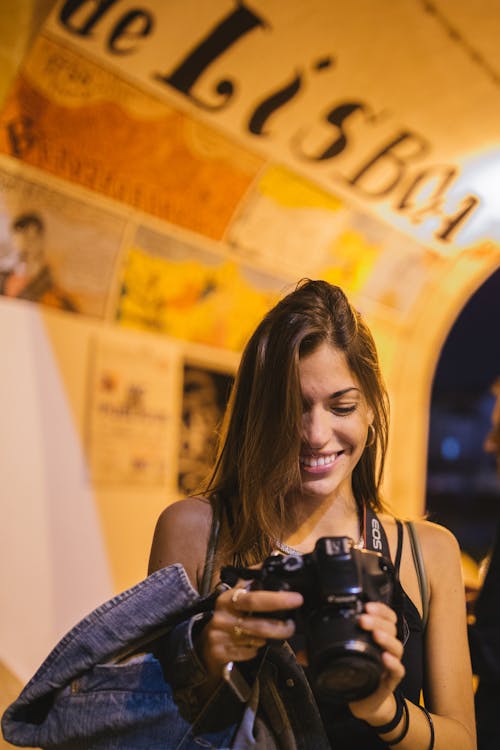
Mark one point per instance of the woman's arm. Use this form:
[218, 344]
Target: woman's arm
[448, 687]
[232, 634]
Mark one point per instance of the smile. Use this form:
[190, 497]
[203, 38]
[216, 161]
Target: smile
[314, 462]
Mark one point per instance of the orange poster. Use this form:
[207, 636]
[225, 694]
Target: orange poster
[80, 122]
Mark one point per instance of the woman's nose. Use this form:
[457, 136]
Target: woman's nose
[316, 428]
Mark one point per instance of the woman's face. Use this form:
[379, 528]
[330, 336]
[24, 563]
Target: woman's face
[335, 422]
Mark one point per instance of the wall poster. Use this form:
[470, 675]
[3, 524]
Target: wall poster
[205, 394]
[130, 413]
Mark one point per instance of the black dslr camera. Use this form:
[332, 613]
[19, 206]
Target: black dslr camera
[336, 579]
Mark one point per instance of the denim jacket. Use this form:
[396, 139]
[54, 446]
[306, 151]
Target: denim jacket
[125, 678]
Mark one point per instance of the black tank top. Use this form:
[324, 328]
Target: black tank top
[344, 731]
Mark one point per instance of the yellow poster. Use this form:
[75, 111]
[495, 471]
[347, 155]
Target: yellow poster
[190, 293]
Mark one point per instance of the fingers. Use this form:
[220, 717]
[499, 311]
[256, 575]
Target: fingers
[395, 670]
[237, 592]
[238, 637]
[243, 599]
[244, 637]
[235, 634]
[238, 627]
[263, 628]
[378, 616]
[379, 609]
[381, 620]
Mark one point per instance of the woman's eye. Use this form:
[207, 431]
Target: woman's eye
[342, 410]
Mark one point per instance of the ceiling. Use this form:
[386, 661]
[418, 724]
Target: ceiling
[393, 106]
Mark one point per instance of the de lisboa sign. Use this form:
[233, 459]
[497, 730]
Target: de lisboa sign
[350, 143]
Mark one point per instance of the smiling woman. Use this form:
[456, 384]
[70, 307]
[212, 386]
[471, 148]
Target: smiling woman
[334, 424]
[301, 458]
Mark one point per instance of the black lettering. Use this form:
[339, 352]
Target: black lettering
[224, 35]
[323, 63]
[123, 30]
[84, 26]
[443, 176]
[392, 158]
[21, 133]
[451, 224]
[433, 201]
[271, 104]
[336, 117]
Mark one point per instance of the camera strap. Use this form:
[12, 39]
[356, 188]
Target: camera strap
[374, 536]
[375, 539]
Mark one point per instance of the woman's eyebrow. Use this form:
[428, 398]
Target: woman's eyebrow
[337, 394]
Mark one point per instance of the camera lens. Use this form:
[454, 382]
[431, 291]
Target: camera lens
[345, 662]
[348, 676]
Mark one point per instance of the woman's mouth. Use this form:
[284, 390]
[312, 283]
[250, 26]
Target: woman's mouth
[319, 462]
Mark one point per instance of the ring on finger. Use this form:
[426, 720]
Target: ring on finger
[238, 630]
[237, 593]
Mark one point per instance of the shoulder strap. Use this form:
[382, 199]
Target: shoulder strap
[208, 568]
[418, 560]
[399, 550]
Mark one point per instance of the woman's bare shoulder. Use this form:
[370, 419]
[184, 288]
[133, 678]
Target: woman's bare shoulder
[181, 535]
[435, 538]
[188, 512]
[441, 554]
[438, 543]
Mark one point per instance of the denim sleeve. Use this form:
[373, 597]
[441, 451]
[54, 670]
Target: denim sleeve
[185, 671]
[182, 666]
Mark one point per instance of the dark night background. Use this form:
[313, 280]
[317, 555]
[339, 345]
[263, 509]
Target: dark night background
[463, 490]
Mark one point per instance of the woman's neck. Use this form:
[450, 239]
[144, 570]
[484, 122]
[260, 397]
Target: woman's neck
[308, 521]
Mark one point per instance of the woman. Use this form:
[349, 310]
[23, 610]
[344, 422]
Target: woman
[301, 457]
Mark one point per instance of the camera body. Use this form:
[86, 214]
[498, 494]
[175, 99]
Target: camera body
[335, 580]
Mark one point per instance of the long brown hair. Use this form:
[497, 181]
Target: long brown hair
[257, 463]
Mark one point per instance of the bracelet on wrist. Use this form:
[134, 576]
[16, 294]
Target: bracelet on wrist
[431, 725]
[404, 731]
[393, 723]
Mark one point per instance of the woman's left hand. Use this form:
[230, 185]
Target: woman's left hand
[381, 621]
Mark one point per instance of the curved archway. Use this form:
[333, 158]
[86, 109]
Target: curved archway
[462, 486]
[410, 370]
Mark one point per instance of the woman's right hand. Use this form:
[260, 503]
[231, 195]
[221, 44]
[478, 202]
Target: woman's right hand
[233, 634]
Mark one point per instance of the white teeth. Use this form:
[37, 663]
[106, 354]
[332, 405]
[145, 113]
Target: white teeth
[320, 461]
